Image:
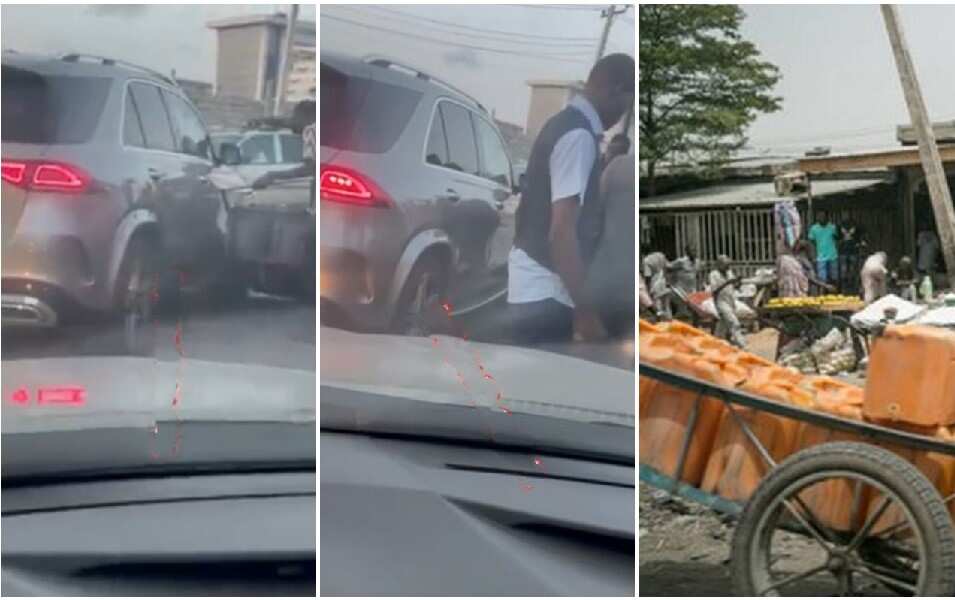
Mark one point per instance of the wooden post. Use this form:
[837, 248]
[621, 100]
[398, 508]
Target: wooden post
[928, 151]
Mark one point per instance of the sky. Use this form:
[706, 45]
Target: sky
[840, 86]
[159, 36]
[472, 53]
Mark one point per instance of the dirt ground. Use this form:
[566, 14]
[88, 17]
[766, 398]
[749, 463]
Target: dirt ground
[685, 551]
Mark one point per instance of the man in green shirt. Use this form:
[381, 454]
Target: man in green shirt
[823, 235]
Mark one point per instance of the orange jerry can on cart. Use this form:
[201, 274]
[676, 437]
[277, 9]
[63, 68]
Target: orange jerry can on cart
[912, 377]
[937, 467]
[666, 417]
[831, 501]
[736, 467]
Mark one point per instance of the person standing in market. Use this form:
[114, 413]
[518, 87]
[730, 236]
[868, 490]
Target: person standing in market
[655, 272]
[904, 279]
[874, 277]
[684, 271]
[823, 235]
[559, 220]
[722, 284]
[928, 251]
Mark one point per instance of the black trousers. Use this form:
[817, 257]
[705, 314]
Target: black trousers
[539, 322]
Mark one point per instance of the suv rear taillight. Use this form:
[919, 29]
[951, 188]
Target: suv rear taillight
[341, 184]
[44, 175]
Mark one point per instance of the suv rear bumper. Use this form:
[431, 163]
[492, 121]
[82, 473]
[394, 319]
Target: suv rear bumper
[20, 310]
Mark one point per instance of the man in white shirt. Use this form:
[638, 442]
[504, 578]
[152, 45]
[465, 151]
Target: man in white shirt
[560, 216]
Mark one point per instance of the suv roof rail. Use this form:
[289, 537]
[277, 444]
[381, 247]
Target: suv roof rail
[380, 61]
[105, 60]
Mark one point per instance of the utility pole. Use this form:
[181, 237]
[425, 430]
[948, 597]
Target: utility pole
[928, 150]
[608, 13]
[285, 59]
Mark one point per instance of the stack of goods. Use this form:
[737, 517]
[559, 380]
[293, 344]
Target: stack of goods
[911, 387]
[830, 355]
[832, 302]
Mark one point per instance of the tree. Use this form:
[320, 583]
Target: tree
[701, 83]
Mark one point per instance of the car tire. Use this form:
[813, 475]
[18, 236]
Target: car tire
[309, 291]
[419, 310]
[135, 296]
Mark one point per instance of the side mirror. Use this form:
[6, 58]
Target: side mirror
[229, 154]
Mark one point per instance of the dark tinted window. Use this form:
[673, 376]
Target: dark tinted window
[291, 148]
[363, 115]
[494, 162]
[191, 134]
[132, 130]
[461, 144]
[437, 151]
[44, 109]
[152, 113]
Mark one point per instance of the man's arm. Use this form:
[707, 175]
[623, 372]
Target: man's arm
[303, 170]
[565, 250]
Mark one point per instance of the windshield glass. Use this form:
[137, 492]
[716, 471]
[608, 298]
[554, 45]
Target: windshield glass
[147, 283]
[427, 241]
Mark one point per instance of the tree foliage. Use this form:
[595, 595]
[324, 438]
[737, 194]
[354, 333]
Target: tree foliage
[701, 83]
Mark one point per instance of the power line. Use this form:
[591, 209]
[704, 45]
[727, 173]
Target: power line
[562, 7]
[559, 41]
[552, 57]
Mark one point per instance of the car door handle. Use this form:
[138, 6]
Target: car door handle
[451, 196]
[155, 174]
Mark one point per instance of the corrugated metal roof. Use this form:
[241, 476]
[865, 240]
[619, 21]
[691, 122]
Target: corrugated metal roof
[748, 194]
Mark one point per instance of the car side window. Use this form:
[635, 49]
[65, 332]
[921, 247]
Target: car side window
[437, 150]
[191, 134]
[291, 148]
[152, 112]
[495, 164]
[258, 150]
[462, 147]
[132, 128]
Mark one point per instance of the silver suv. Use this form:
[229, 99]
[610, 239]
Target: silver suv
[106, 188]
[415, 180]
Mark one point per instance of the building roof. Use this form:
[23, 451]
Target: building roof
[881, 159]
[944, 133]
[749, 194]
[247, 20]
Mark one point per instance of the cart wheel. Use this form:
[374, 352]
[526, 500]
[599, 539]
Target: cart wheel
[782, 547]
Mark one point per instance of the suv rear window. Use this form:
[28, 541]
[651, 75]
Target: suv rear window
[50, 109]
[363, 115]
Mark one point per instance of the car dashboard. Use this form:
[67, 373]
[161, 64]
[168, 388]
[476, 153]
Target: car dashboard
[410, 516]
[234, 534]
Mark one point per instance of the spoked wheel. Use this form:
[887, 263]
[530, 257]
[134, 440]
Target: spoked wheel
[420, 309]
[844, 519]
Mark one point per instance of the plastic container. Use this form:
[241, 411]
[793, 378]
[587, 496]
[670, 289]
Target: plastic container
[836, 397]
[937, 467]
[681, 329]
[911, 377]
[831, 501]
[736, 467]
[665, 420]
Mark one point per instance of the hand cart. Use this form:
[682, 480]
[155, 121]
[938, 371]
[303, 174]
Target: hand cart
[914, 555]
[811, 323]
